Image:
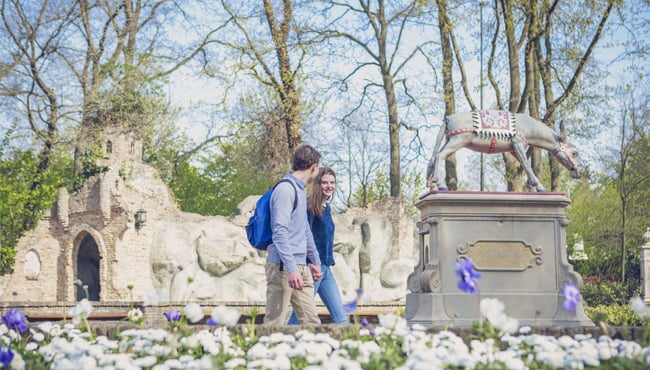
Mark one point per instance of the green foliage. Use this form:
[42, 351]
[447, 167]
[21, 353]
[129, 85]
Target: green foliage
[377, 189]
[194, 191]
[237, 172]
[413, 183]
[484, 330]
[597, 292]
[229, 168]
[391, 355]
[613, 314]
[133, 99]
[89, 165]
[164, 148]
[25, 194]
[596, 221]
[220, 182]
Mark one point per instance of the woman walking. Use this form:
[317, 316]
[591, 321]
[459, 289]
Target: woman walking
[322, 227]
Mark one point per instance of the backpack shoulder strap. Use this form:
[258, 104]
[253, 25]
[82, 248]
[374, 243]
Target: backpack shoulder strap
[295, 198]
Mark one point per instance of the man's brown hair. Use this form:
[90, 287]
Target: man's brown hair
[304, 157]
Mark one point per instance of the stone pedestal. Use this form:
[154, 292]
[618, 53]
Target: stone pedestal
[517, 242]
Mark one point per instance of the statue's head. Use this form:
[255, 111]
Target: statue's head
[568, 156]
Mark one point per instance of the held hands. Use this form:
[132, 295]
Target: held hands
[295, 277]
[316, 273]
[295, 280]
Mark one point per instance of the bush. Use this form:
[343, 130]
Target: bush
[597, 292]
[614, 315]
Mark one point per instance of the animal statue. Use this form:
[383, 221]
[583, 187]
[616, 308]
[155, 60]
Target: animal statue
[499, 132]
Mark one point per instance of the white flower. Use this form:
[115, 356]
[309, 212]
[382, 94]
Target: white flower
[283, 350]
[174, 364]
[510, 360]
[135, 315]
[86, 362]
[639, 307]
[13, 335]
[45, 327]
[55, 331]
[17, 363]
[226, 316]
[38, 337]
[316, 352]
[80, 311]
[393, 322]
[190, 342]
[258, 351]
[193, 312]
[147, 361]
[235, 362]
[492, 309]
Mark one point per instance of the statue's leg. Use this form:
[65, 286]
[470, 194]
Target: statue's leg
[520, 153]
[451, 146]
[431, 172]
[434, 162]
[433, 169]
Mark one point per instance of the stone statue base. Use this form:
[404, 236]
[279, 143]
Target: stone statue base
[517, 242]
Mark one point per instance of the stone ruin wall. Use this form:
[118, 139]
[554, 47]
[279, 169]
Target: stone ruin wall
[180, 256]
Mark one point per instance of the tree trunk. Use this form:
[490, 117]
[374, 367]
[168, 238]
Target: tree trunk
[291, 104]
[514, 172]
[451, 178]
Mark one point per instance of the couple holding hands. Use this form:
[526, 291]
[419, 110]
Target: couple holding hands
[301, 254]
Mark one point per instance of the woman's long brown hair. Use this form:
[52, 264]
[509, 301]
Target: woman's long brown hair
[316, 198]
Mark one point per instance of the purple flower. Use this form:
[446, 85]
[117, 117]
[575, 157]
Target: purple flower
[364, 322]
[467, 276]
[210, 321]
[15, 320]
[571, 295]
[352, 306]
[173, 315]
[6, 356]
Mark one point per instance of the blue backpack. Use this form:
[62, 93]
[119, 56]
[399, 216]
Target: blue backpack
[258, 229]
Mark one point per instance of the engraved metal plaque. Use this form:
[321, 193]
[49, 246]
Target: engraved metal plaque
[503, 255]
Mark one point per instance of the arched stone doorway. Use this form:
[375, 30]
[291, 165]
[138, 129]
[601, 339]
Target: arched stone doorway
[88, 268]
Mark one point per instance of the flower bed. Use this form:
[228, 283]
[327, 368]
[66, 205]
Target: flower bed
[392, 344]
[498, 342]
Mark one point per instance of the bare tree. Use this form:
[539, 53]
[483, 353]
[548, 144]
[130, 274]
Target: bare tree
[446, 32]
[377, 29]
[356, 160]
[631, 165]
[34, 36]
[267, 56]
[530, 35]
[90, 65]
[542, 52]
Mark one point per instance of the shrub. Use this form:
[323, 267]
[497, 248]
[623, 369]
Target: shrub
[597, 292]
[614, 315]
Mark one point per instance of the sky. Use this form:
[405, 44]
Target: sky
[186, 90]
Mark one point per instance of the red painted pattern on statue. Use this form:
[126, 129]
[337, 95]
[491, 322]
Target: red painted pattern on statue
[461, 131]
[493, 145]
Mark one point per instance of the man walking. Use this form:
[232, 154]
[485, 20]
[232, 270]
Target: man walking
[288, 278]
